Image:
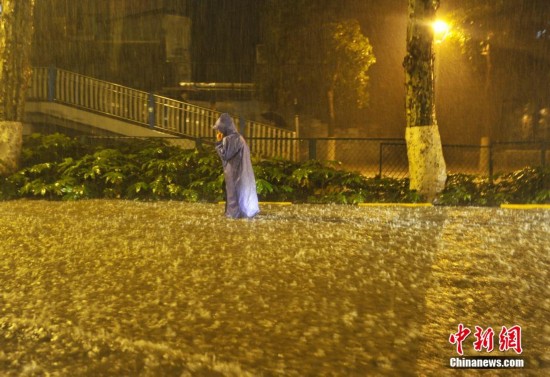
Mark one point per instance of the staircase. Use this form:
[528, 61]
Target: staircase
[115, 108]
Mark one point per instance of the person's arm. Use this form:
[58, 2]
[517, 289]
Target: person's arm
[229, 147]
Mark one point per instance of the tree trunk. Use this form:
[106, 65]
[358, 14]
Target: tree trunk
[15, 73]
[11, 139]
[331, 114]
[427, 168]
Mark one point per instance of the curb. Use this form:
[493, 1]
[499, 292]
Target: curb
[415, 205]
[276, 203]
[269, 203]
[359, 204]
[395, 205]
[525, 206]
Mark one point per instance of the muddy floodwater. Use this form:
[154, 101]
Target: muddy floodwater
[174, 289]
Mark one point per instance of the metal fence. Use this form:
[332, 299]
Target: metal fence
[388, 157]
[375, 157]
[466, 159]
[355, 154]
[379, 157]
[484, 160]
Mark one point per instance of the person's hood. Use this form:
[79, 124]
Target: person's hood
[225, 125]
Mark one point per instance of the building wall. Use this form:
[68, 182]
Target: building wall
[140, 43]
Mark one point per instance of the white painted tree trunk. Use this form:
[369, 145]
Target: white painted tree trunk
[10, 146]
[427, 168]
[15, 72]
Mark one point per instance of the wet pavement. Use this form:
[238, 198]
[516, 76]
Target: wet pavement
[299, 290]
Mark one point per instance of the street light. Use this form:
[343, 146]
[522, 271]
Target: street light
[441, 30]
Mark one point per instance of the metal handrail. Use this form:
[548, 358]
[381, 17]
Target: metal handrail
[151, 110]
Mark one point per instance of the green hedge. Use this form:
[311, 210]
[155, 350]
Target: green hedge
[529, 185]
[58, 167]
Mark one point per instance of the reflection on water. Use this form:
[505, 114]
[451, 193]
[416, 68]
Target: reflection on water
[423, 272]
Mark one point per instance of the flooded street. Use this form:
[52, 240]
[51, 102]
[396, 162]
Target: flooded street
[173, 288]
[417, 273]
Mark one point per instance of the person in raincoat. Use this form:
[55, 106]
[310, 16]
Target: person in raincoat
[242, 199]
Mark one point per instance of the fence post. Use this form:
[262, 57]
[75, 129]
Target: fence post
[312, 149]
[491, 162]
[380, 161]
[151, 110]
[484, 155]
[543, 154]
[52, 78]
[297, 129]
[165, 117]
[242, 126]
